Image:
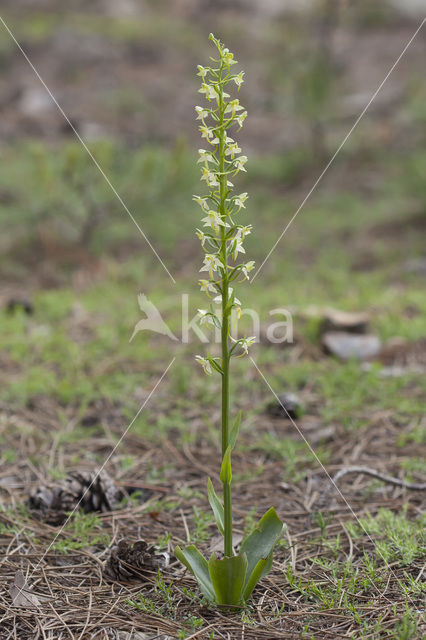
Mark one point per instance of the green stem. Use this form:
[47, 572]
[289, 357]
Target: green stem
[227, 497]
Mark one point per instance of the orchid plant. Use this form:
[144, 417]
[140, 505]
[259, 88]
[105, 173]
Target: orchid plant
[229, 580]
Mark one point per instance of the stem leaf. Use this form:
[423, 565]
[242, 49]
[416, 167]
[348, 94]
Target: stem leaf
[226, 470]
[216, 366]
[234, 430]
[217, 507]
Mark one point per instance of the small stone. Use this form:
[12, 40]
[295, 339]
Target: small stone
[347, 346]
[35, 102]
[350, 322]
[288, 406]
[415, 265]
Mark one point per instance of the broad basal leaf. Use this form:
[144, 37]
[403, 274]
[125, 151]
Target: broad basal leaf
[197, 564]
[228, 577]
[260, 543]
[261, 569]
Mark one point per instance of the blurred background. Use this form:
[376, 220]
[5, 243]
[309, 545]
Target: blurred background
[124, 72]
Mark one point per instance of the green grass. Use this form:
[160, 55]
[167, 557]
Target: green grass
[399, 540]
[294, 454]
[80, 532]
[342, 580]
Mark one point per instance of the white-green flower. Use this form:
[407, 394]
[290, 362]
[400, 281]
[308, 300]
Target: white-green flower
[247, 342]
[213, 219]
[202, 113]
[209, 177]
[202, 202]
[227, 57]
[211, 263]
[231, 149]
[206, 317]
[234, 106]
[206, 132]
[238, 79]
[207, 286]
[249, 266]
[240, 119]
[202, 71]
[237, 247]
[227, 140]
[205, 156]
[218, 298]
[201, 236]
[245, 231]
[240, 162]
[209, 90]
[240, 200]
[205, 364]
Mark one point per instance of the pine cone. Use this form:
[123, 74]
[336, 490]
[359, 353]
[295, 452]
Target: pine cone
[129, 561]
[91, 492]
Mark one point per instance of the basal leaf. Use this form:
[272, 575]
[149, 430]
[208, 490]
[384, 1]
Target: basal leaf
[261, 569]
[268, 565]
[228, 577]
[260, 543]
[216, 506]
[197, 564]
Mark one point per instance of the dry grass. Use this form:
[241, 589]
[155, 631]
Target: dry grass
[75, 601]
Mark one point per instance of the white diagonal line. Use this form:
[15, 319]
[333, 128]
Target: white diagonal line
[104, 464]
[325, 471]
[340, 147]
[86, 148]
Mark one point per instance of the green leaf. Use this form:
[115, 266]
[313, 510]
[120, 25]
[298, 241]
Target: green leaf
[228, 577]
[217, 507]
[216, 321]
[216, 366]
[234, 431]
[262, 568]
[226, 471]
[268, 565]
[229, 304]
[260, 543]
[197, 564]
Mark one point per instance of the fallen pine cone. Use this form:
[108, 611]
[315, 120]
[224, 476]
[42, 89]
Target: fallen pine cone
[129, 561]
[89, 491]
